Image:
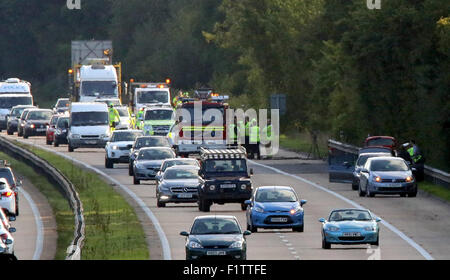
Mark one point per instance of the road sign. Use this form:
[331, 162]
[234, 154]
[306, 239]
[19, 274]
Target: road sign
[278, 101]
[82, 51]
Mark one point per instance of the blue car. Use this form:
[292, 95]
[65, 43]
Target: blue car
[350, 226]
[273, 208]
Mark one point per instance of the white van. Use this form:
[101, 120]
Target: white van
[13, 92]
[98, 81]
[88, 126]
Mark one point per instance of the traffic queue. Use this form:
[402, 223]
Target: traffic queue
[158, 139]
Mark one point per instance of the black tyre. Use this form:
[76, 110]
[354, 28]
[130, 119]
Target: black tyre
[130, 170]
[70, 148]
[205, 206]
[48, 142]
[412, 194]
[243, 206]
[56, 144]
[369, 193]
[108, 163]
[252, 228]
[25, 136]
[354, 187]
[325, 244]
[403, 195]
[299, 229]
[136, 181]
[9, 132]
[376, 243]
[160, 204]
[361, 193]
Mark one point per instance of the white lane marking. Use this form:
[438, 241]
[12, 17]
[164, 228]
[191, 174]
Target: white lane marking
[39, 226]
[411, 242]
[162, 236]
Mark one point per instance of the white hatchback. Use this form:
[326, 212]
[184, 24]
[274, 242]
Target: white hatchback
[7, 198]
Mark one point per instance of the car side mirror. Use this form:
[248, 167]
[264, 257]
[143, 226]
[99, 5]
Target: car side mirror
[251, 171]
[364, 170]
[248, 202]
[8, 242]
[322, 220]
[158, 177]
[303, 202]
[183, 233]
[413, 169]
[377, 220]
[12, 229]
[12, 219]
[247, 233]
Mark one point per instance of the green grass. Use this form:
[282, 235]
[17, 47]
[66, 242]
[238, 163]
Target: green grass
[113, 231]
[63, 214]
[301, 142]
[436, 190]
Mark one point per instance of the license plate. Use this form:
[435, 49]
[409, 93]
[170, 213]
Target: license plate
[279, 220]
[216, 253]
[185, 195]
[393, 185]
[40, 129]
[352, 234]
[228, 186]
[91, 142]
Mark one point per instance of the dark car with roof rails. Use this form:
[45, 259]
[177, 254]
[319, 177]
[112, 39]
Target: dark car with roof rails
[226, 178]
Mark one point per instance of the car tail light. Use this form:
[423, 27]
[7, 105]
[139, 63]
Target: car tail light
[4, 236]
[181, 133]
[7, 194]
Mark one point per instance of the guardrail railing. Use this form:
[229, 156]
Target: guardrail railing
[53, 174]
[432, 174]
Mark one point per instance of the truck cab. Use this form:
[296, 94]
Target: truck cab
[157, 121]
[226, 178]
[98, 81]
[88, 126]
[13, 92]
[150, 94]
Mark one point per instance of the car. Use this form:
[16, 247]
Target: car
[145, 142]
[36, 122]
[14, 116]
[6, 221]
[61, 131]
[387, 175]
[381, 141]
[226, 178]
[118, 148]
[174, 162]
[125, 118]
[15, 184]
[179, 184]
[350, 226]
[51, 128]
[7, 239]
[275, 207]
[7, 198]
[62, 106]
[148, 162]
[362, 158]
[216, 237]
[21, 121]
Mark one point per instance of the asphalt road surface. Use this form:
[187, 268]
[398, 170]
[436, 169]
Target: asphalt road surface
[412, 228]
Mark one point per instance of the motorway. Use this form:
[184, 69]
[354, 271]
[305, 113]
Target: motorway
[412, 228]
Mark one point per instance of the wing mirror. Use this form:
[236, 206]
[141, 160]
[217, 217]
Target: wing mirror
[12, 219]
[303, 202]
[248, 202]
[158, 177]
[247, 233]
[377, 220]
[8, 242]
[12, 229]
[364, 170]
[322, 220]
[184, 233]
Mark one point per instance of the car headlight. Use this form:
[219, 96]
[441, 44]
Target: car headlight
[140, 166]
[243, 186]
[212, 187]
[377, 179]
[236, 244]
[369, 228]
[164, 187]
[409, 179]
[195, 245]
[104, 136]
[115, 147]
[76, 136]
[295, 210]
[258, 209]
[333, 228]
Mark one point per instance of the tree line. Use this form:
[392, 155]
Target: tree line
[346, 70]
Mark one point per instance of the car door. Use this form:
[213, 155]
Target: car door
[341, 165]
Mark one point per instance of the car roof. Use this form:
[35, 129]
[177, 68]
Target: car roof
[349, 209]
[40, 110]
[385, 158]
[275, 187]
[149, 137]
[127, 130]
[183, 167]
[156, 148]
[376, 154]
[215, 216]
[181, 159]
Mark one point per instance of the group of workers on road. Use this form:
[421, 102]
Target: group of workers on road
[252, 135]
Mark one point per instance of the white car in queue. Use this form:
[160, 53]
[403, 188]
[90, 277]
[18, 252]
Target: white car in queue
[7, 198]
[119, 146]
[6, 221]
[7, 239]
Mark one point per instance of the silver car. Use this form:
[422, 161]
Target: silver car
[387, 175]
[148, 163]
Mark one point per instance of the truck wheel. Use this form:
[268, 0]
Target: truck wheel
[136, 181]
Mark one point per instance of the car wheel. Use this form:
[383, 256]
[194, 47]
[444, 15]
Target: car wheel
[354, 187]
[17, 209]
[243, 206]
[299, 229]
[56, 144]
[70, 148]
[361, 193]
[9, 132]
[130, 170]
[160, 204]
[108, 163]
[412, 194]
[376, 243]
[325, 244]
[25, 136]
[403, 195]
[205, 206]
[369, 193]
[136, 181]
[48, 142]
[252, 228]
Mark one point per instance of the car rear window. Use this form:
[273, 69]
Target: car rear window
[7, 174]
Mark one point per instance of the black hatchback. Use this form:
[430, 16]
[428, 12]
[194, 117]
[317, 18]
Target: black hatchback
[218, 237]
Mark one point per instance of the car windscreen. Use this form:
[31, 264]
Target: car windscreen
[158, 115]
[179, 174]
[363, 158]
[63, 104]
[40, 115]
[148, 97]
[151, 142]
[274, 195]
[350, 215]
[226, 165]
[388, 165]
[17, 112]
[62, 122]
[6, 173]
[215, 226]
[123, 112]
[125, 136]
[98, 88]
[9, 102]
[380, 142]
[171, 163]
[155, 154]
[54, 120]
[89, 118]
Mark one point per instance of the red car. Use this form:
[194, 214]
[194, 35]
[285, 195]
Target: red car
[51, 128]
[381, 141]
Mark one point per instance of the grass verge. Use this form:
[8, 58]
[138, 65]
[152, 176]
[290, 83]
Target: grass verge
[301, 142]
[113, 231]
[61, 209]
[436, 190]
